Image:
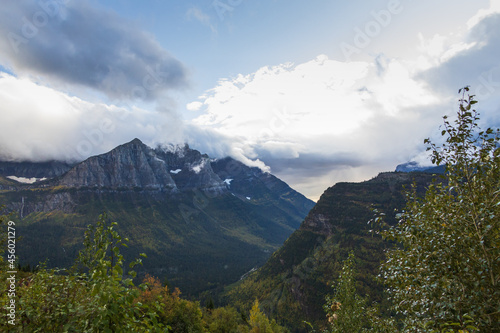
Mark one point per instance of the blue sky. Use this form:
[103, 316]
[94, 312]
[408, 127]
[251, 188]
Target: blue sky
[315, 91]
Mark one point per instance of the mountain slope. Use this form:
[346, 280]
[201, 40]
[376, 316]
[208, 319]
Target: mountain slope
[34, 170]
[263, 188]
[128, 166]
[293, 284]
[197, 231]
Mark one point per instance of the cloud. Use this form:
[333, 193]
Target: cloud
[197, 14]
[72, 42]
[494, 8]
[312, 124]
[50, 125]
[194, 106]
[312, 121]
[476, 66]
[324, 121]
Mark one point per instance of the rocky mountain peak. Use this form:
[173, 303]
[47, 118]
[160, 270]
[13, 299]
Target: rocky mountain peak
[136, 165]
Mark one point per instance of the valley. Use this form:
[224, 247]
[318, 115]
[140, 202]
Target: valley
[202, 223]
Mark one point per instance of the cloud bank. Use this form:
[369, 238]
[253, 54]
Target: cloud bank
[50, 125]
[318, 119]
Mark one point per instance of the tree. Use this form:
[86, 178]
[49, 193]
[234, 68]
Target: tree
[445, 274]
[98, 300]
[346, 311]
[259, 322]
[223, 320]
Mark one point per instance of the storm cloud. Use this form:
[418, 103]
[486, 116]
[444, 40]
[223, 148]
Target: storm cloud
[71, 42]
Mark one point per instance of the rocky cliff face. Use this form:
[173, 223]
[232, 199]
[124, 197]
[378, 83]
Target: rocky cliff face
[24, 206]
[135, 165]
[190, 169]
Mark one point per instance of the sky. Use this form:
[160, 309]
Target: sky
[315, 92]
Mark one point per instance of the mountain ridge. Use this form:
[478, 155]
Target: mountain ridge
[291, 286]
[203, 223]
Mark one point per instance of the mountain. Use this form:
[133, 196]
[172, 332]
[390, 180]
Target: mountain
[135, 165]
[292, 285]
[34, 170]
[415, 166]
[202, 223]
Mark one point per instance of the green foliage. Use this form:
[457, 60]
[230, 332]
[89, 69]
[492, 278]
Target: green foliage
[99, 300]
[259, 323]
[224, 320]
[101, 253]
[378, 323]
[3, 236]
[224, 241]
[448, 268]
[346, 311]
[180, 315]
[94, 296]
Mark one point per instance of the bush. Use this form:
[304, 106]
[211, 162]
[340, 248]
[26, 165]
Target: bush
[446, 273]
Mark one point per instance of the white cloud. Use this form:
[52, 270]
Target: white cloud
[325, 121]
[483, 13]
[438, 49]
[194, 106]
[39, 123]
[200, 16]
[344, 114]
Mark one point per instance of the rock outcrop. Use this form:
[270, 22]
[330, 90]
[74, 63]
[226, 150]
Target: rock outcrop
[135, 165]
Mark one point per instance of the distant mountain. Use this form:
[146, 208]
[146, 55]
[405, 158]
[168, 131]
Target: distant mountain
[293, 284]
[34, 170]
[203, 223]
[416, 167]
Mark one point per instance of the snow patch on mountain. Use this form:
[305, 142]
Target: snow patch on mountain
[198, 167]
[159, 160]
[25, 180]
[177, 149]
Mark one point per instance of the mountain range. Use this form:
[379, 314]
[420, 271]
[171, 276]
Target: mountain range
[211, 226]
[292, 286]
[202, 222]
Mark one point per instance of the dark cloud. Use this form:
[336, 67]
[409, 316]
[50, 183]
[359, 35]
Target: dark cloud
[309, 163]
[477, 66]
[73, 42]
